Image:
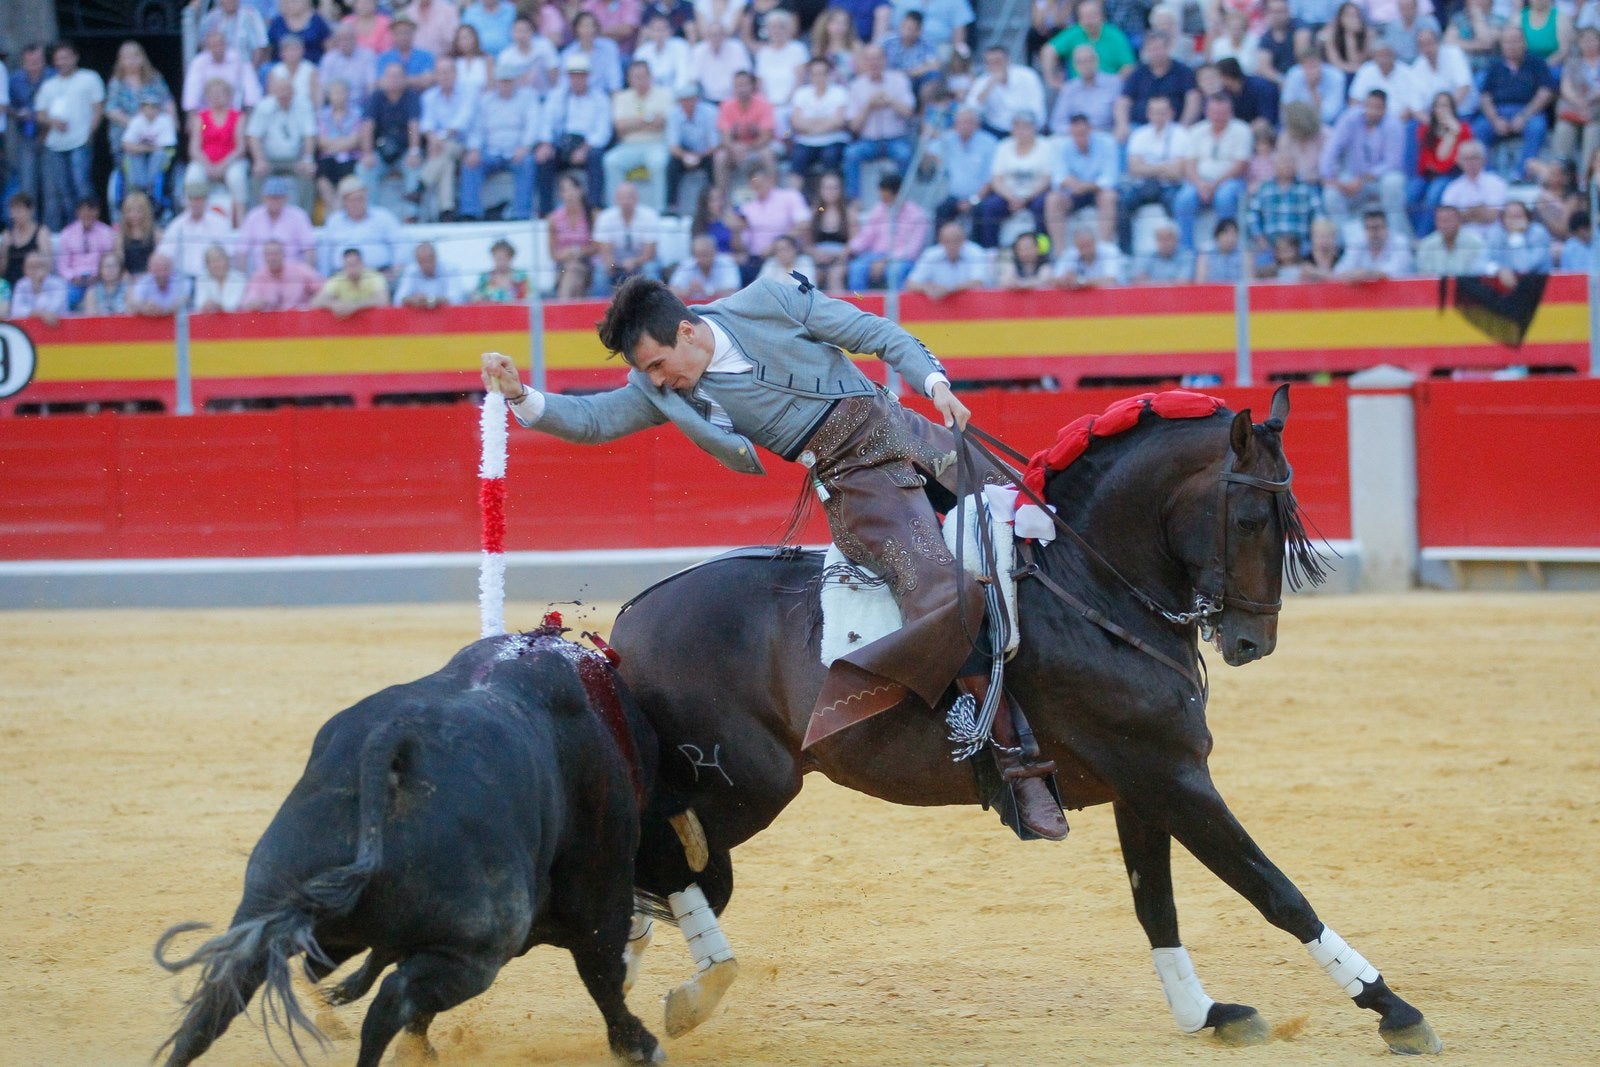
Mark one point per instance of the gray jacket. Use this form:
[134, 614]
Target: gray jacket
[797, 340]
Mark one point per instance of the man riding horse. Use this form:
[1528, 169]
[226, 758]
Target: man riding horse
[767, 366]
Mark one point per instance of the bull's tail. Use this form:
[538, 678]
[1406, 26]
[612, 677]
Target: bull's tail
[256, 953]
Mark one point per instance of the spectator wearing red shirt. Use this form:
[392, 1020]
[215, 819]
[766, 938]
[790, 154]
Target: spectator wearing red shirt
[748, 127]
[1437, 144]
[217, 145]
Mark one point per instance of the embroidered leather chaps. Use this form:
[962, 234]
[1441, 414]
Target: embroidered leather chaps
[873, 459]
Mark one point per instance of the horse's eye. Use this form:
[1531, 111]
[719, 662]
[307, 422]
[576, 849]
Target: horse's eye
[1249, 525]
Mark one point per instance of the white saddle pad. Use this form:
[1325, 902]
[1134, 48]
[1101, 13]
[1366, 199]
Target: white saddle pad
[856, 613]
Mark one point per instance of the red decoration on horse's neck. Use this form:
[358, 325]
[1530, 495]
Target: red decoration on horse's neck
[1073, 439]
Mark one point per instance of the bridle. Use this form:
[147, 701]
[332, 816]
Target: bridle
[1211, 596]
[1215, 574]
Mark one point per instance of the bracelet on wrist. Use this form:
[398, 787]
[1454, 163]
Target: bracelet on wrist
[519, 398]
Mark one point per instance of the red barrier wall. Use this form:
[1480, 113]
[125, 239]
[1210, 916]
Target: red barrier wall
[321, 481]
[1509, 464]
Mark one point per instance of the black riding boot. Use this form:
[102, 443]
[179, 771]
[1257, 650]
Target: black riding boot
[1037, 807]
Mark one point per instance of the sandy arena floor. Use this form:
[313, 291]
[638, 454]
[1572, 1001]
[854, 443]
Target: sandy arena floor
[1426, 768]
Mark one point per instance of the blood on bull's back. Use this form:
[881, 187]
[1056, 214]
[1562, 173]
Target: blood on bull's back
[445, 826]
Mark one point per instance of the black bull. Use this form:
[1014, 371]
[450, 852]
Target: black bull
[448, 825]
[724, 660]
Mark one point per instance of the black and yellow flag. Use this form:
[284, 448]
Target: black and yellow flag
[1503, 314]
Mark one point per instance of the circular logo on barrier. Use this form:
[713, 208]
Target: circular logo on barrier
[17, 360]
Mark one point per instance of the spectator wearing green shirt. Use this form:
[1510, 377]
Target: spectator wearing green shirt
[1091, 28]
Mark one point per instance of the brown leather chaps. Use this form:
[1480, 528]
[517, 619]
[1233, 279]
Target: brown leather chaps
[873, 458]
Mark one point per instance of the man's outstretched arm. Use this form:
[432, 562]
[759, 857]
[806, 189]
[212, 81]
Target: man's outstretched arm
[583, 420]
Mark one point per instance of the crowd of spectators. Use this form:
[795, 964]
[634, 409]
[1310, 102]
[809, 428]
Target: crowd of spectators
[870, 143]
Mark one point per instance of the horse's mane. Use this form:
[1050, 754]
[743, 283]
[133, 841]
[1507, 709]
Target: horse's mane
[1074, 439]
[1075, 449]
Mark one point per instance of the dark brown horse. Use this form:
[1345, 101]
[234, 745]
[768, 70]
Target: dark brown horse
[1191, 516]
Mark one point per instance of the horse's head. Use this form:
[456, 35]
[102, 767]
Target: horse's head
[1244, 525]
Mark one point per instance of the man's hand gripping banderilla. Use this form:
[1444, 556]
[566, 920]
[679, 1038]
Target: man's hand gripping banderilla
[500, 375]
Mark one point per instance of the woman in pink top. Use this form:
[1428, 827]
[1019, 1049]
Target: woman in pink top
[372, 26]
[216, 143]
[571, 227]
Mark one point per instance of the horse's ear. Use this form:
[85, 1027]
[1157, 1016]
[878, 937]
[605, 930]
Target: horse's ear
[1279, 412]
[1240, 433]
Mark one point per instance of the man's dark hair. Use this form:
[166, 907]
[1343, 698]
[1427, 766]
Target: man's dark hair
[891, 182]
[1375, 213]
[1578, 221]
[1380, 94]
[915, 16]
[1230, 69]
[642, 307]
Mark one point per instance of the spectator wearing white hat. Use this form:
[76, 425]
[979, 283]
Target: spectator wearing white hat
[199, 227]
[577, 129]
[605, 59]
[692, 138]
[372, 231]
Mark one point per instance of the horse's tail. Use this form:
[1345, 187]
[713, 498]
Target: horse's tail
[255, 954]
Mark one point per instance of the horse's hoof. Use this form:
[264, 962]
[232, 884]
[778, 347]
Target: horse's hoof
[693, 1002]
[1246, 1029]
[414, 1050]
[1417, 1039]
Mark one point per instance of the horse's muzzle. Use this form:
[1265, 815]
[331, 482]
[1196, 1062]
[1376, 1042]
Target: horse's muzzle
[1247, 647]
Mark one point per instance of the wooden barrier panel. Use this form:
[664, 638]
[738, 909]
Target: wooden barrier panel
[1509, 464]
[1127, 335]
[323, 481]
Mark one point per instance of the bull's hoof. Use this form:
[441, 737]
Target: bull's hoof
[1239, 1024]
[1415, 1039]
[693, 1002]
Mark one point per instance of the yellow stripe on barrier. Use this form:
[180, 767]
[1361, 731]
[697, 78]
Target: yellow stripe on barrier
[137, 361]
[1101, 335]
[1401, 328]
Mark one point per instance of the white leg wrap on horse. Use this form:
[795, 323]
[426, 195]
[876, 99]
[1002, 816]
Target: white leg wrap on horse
[707, 943]
[1348, 968]
[1188, 1001]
